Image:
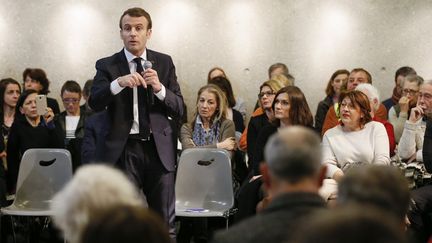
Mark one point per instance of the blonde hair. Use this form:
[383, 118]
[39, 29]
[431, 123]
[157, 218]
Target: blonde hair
[93, 189]
[222, 103]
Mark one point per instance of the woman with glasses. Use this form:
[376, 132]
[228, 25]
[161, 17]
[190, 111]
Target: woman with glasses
[266, 96]
[289, 108]
[333, 90]
[399, 113]
[70, 123]
[356, 140]
[29, 130]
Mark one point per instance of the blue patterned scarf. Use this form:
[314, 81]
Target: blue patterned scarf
[200, 137]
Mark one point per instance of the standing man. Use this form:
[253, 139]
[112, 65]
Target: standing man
[140, 104]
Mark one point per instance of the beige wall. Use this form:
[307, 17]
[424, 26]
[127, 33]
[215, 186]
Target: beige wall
[313, 38]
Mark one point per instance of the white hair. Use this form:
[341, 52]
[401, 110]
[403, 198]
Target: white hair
[372, 93]
[94, 188]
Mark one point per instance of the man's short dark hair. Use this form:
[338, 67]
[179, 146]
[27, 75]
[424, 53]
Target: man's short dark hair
[404, 71]
[369, 76]
[137, 12]
[380, 186]
[70, 86]
[278, 65]
[293, 153]
[87, 87]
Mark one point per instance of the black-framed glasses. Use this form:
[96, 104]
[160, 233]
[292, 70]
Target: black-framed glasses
[409, 91]
[269, 93]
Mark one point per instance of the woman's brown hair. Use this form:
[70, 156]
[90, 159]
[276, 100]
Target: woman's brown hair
[360, 101]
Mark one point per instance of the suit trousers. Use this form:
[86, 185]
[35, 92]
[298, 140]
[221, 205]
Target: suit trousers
[141, 163]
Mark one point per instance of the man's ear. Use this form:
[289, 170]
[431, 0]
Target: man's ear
[265, 174]
[321, 175]
[149, 33]
[21, 110]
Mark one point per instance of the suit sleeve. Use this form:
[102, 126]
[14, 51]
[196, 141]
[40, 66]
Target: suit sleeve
[173, 98]
[101, 95]
[427, 147]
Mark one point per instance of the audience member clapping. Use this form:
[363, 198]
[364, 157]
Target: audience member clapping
[93, 191]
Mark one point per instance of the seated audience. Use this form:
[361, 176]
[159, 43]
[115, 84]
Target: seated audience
[29, 130]
[276, 69]
[399, 113]
[356, 77]
[290, 108]
[210, 126]
[125, 224]
[36, 79]
[292, 174]
[70, 123]
[94, 131]
[266, 96]
[86, 94]
[357, 139]
[411, 142]
[10, 90]
[240, 104]
[232, 114]
[94, 190]
[333, 90]
[400, 74]
[351, 224]
[378, 186]
[372, 93]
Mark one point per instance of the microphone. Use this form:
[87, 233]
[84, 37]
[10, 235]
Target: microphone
[150, 97]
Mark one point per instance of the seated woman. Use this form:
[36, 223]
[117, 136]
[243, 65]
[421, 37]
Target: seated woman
[357, 139]
[232, 114]
[266, 96]
[290, 107]
[70, 123]
[29, 130]
[240, 103]
[333, 90]
[210, 128]
[10, 90]
[399, 113]
[36, 79]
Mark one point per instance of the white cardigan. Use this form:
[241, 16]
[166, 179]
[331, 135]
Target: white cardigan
[368, 145]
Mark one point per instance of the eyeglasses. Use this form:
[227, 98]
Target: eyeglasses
[70, 101]
[269, 93]
[409, 91]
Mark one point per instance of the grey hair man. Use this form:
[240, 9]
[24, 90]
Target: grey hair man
[292, 176]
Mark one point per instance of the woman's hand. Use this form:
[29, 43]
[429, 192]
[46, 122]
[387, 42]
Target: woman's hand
[338, 175]
[228, 144]
[49, 115]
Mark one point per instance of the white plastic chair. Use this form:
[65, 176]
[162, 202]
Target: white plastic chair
[42, 173]
[204, 184]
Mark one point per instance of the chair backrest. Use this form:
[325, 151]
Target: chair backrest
[42, 173]
[204, 180]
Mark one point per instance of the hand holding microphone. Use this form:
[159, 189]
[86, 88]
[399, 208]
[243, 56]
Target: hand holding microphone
[147, 67]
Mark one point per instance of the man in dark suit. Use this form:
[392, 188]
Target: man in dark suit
[292, 176]
[140, 104]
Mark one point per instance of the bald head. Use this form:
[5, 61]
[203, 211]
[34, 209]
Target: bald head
[293, 154]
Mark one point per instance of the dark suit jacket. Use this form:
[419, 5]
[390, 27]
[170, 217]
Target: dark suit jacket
[275, 223]
[119, 107]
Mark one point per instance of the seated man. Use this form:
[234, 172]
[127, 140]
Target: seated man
[398, 114]
[372, 93]
[400, 74]
[70, 123]
[411, 142]
[292, 176]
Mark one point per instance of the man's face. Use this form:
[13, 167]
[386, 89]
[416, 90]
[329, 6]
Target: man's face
[425, 99]
[355, 79]
[135, 34]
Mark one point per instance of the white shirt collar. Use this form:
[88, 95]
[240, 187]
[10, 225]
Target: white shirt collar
[130, 56]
